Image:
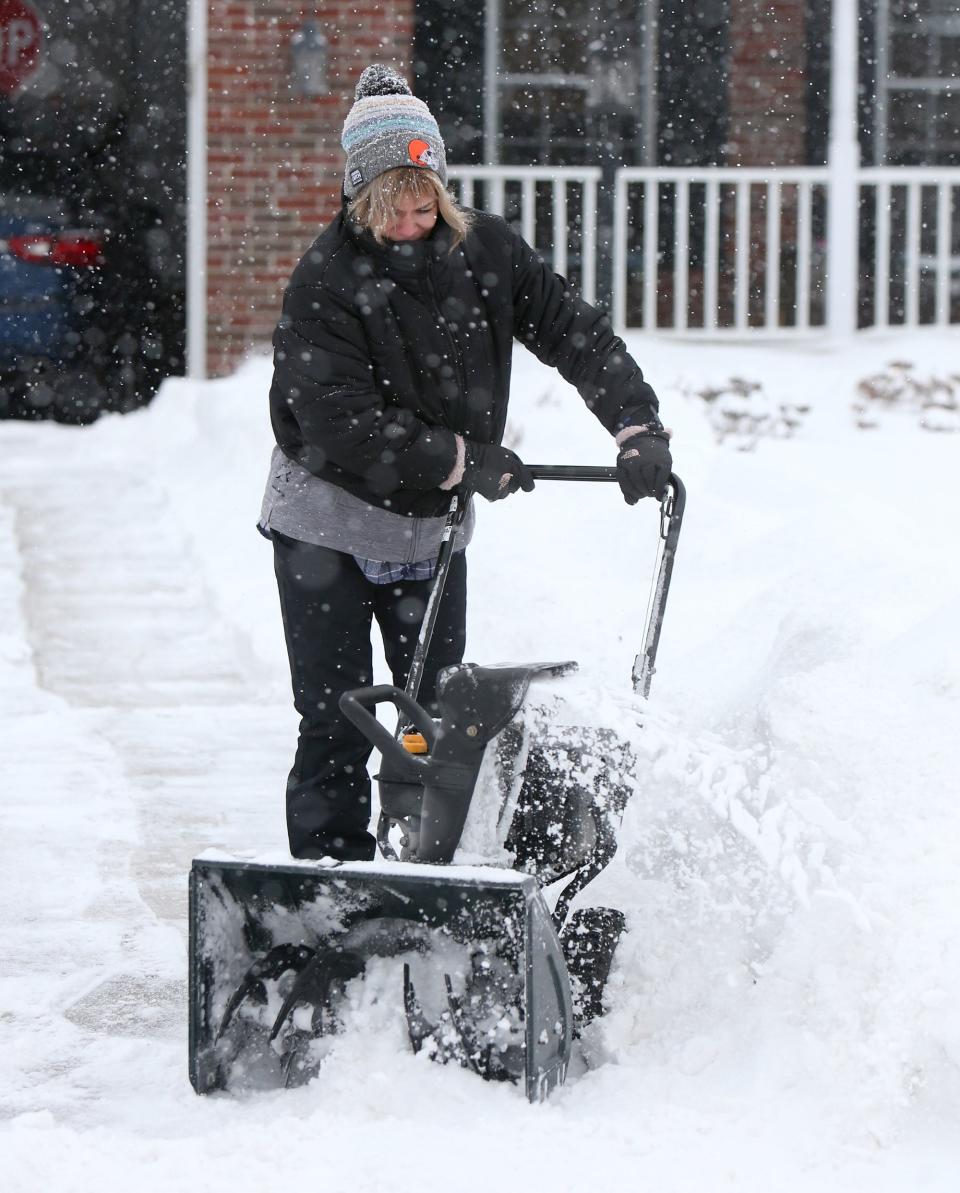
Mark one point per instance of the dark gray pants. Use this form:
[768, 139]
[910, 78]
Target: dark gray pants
[328, 607]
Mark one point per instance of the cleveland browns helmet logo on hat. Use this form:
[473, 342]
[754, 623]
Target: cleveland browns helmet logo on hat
[422, 155]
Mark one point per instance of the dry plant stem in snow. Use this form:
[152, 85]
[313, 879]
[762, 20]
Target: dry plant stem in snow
[741, 413]
[934, 400]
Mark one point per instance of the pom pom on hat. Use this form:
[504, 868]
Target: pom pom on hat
[386, 128]
[380, 79]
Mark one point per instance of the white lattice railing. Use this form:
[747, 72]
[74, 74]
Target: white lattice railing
[745, 251]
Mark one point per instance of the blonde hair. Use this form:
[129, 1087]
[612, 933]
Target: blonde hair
[375, 207]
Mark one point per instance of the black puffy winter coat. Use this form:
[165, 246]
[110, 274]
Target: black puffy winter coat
[384, 351]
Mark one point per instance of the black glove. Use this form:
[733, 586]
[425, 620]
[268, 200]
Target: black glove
[494, 471]
[644, 466]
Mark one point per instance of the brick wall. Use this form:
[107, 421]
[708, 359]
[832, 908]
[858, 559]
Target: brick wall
[767, 83]
[767, 127]
[275, 162]
[274, 158]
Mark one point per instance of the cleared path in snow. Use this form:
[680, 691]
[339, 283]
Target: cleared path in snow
[132, 740]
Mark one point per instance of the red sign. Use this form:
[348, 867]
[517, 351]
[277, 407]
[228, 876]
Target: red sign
[21, 36]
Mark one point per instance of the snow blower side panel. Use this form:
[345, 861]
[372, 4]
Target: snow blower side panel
[279, 955]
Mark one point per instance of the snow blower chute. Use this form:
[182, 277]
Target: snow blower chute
[282, 956]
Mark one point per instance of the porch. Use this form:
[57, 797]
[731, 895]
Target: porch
[728, 251]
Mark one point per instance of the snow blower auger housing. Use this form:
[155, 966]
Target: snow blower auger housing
[283, 956]
[275, 948]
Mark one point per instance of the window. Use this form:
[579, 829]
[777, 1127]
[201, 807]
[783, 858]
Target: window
[918, 83]
[574, 81]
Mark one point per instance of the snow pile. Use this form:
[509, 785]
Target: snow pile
[785, 1009]
[16, 678]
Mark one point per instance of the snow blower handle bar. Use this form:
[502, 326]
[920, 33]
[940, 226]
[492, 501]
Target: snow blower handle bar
[571, 472]
[589, 472]
[671, 516]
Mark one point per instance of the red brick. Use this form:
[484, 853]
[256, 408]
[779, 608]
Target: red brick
[766, 100]
[274, 159]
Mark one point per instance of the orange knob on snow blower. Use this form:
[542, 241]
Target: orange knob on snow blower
[415, 743]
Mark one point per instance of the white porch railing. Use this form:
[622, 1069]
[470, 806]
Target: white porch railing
[556, 208]
[912, 276]
[719, 249]
[743, 251]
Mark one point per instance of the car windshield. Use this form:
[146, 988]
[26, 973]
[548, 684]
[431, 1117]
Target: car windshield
[33, 181]
[37, 207]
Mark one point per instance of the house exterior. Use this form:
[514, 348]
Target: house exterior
[646, 85]
[698, 167]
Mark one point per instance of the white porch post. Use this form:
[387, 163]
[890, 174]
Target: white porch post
[491, 94]
[650, 59]
[843, 160]
[197, 189]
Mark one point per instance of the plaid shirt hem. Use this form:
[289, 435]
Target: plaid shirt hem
[392, 573]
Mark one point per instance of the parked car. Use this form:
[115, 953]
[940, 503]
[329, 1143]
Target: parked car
[86, 324]
[47, 288]
[92, 207]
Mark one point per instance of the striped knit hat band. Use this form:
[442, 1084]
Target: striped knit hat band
[388, 127]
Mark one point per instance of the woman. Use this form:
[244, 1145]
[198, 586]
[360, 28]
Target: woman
[391, 379]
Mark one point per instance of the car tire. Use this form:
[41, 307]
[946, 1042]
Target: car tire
[79, 397]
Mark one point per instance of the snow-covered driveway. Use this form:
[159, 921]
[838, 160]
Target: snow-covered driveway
[786, 1008]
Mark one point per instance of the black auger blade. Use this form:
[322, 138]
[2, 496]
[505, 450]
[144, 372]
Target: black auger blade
[482, 1058]
[326, 973]
[419, 1029]
[276, 963]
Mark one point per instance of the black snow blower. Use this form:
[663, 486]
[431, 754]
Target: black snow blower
[484, 974]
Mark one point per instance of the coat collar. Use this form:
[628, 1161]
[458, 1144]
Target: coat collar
[402, 258]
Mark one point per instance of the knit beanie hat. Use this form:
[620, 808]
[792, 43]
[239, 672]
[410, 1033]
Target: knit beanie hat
[388, 127]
